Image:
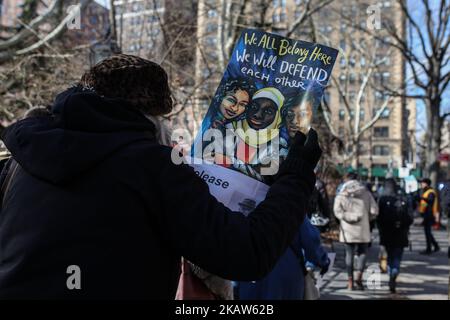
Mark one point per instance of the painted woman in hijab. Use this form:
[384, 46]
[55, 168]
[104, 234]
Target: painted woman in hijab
[257, 144]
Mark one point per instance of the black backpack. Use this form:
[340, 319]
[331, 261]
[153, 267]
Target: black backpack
[395, 211]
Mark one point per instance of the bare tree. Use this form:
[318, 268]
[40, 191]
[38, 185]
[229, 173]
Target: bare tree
[22, 43]
[360, 73]
[35, 61]
[425, 48]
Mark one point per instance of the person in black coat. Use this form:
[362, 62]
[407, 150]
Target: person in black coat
[97, 209]
[393, 223]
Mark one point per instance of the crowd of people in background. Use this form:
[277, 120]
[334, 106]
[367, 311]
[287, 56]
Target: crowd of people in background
[357, 208]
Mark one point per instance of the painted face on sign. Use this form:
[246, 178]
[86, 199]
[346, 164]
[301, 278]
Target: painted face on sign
[298, 118]
[234, 104]
[261, 113]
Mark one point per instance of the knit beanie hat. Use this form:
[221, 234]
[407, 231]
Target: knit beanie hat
[140, 82]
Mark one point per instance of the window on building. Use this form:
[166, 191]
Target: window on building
[352, 78]
[352, 62]
[362, 115]
[341, 132]
[276, 18]
[212, 13]
[379, 96]
[384, 115]
[363, 149]
[381, 150]
[386, 76]
[352, 95]
[211, 27]
[152, 18]
[341, 114]
[362, 62]
[342, 44]
[381, 132]
[93, 20]
[211, 41]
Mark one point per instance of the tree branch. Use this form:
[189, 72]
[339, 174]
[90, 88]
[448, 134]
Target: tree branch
[24, 33]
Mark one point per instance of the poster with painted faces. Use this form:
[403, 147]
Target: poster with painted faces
[270, 90]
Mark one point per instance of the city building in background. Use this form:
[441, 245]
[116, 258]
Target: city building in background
[389, 144]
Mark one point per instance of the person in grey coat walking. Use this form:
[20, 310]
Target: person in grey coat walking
[355, 208]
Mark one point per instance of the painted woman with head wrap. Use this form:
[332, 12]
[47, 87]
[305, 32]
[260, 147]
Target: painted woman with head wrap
[257, 135]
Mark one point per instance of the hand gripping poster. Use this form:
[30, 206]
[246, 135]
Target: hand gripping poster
[271, 89]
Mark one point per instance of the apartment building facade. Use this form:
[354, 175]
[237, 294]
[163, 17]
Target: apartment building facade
[389, 143]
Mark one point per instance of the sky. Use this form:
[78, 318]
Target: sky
[418, 15]
[104, 3]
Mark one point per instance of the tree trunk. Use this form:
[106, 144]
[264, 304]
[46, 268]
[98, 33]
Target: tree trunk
[433, 139]
[356, 154]
[112, 20]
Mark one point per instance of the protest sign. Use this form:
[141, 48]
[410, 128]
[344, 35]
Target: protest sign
[271, 89]
[411, 184]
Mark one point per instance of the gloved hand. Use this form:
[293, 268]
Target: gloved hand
[325, 267]
[303, 156]
[306, 148]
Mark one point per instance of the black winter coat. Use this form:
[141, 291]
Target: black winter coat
[393, 225]
[95, 190]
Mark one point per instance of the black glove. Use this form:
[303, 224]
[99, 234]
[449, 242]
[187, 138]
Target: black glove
[306, 148]
[324, 268]
[303, 156]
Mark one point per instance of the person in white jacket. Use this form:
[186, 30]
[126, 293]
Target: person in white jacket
[355, 207]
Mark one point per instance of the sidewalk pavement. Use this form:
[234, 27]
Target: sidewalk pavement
[421, 277]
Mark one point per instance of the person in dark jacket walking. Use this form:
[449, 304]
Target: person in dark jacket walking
[393, 223]
[287, 279]
[97, 209]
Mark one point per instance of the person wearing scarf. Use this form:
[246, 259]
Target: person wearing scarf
[256, 133]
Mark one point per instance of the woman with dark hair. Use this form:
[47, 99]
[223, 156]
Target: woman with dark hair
[393, 222]
[231, 101]
[228, 106]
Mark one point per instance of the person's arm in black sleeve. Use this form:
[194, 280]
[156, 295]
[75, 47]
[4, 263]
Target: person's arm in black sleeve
[227, 243]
